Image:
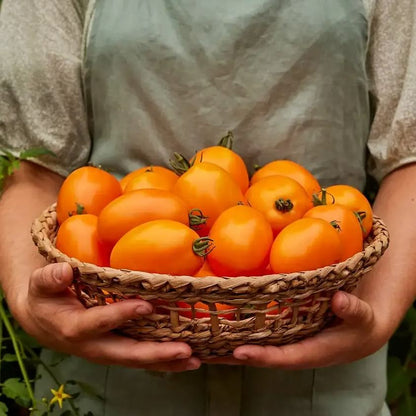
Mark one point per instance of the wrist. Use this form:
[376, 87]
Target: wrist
[16, 300]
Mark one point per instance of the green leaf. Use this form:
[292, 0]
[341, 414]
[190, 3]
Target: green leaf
[58, 357]
[3, 409]
[14, 165]
[398, 379]
[407, 406]
[9, 357]
[86, 388]
[16, 390]
[4, 167]
[35, 152]
[8, 155]
[4, 161]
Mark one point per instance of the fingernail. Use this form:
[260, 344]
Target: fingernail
[57, 272]
[144, 309]
[240, 356]
[182, 355]
[343, 301]
[193, 364]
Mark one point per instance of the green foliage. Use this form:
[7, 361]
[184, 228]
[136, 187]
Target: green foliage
[15, 389]
[17, 381]
[402, 367]
[20, 353]
[9, 163]
[3, 407]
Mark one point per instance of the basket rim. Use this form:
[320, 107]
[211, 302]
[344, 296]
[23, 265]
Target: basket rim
[377, 243]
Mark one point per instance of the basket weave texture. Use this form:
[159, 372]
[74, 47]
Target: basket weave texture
[300, 301]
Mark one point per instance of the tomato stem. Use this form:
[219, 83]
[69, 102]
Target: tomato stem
[283, 205]
[227, 140]
[322, 200]
[179, 163]
[336, 225]
[360, 215]
[257, 167]
[196, 218]
[79, 210]
[203, 246]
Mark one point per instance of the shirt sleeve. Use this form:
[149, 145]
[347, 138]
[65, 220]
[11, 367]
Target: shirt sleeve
[41, 101]
[392, 76]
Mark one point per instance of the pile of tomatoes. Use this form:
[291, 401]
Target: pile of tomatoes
[207, 217]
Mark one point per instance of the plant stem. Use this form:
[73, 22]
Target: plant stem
[12, 334]
[227, 141]
[38, 360]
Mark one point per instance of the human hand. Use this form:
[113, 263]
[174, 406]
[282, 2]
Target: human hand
[52, 314]
[361, 332]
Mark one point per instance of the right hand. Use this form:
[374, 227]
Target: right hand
[52, 314]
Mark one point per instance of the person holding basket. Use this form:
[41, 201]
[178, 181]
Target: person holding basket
[327, 83]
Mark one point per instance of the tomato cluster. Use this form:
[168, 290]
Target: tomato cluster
[207, 217]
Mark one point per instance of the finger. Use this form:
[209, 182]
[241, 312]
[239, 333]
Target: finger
[50, 280]
[92, 322]
[332, 346]
[115, 349]
[352, 309]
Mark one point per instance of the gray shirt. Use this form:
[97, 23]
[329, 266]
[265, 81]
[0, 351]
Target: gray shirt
[41, 103]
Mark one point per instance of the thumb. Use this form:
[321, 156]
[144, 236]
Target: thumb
[352, 309]
[51, 279]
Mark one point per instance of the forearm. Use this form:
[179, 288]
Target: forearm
[27, 193]
[391, 286]
[51, 313]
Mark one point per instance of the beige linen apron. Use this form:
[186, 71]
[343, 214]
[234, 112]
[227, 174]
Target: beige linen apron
[288, 78]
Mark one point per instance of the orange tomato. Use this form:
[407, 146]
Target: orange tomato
[224, 157]
[200, 314]
[356, 201]
[126, 179]
[77, 237]
[204, 271]
[209, 188]
[137, 207]
[292, 170]
[306, 244]
[242, 238]
[152, 179]
[281, 199]
[274, 308]
[160, 246]
[346, 223]
[86, 190]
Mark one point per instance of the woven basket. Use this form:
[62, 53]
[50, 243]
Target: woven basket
[302, 299]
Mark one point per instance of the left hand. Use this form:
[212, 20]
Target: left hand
[360, 333]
